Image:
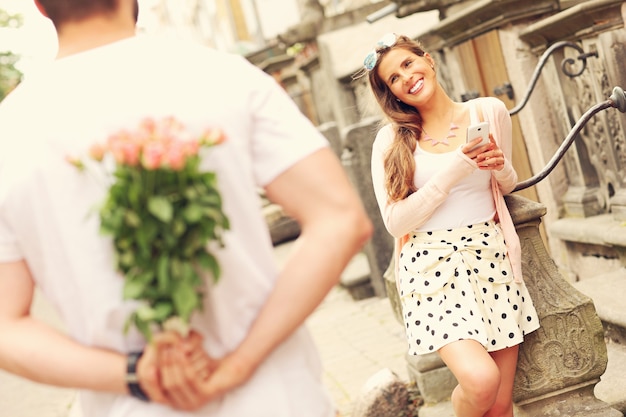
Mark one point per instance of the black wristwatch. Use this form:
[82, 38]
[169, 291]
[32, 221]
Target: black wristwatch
[132, 381]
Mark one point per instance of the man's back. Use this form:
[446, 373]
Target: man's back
[48, 207]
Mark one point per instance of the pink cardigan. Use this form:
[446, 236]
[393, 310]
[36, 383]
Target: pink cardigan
[401, 217]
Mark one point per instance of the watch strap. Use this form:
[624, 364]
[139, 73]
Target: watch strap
[132, 380]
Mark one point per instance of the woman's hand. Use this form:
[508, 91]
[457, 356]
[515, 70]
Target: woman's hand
[487, 157]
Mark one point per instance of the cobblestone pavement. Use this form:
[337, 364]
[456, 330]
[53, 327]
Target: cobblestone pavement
[22, 398]
[356, 339]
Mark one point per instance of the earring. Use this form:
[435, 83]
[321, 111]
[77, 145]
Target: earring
[397, 99]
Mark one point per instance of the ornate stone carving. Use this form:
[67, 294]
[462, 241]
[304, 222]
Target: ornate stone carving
[561, 362]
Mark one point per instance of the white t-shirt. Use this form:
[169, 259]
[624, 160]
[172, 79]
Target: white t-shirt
[45, 204]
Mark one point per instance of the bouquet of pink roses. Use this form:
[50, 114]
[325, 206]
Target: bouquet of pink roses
[162, 212]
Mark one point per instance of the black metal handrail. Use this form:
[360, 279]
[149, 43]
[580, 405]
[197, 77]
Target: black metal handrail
[616, 100]
[564, 67]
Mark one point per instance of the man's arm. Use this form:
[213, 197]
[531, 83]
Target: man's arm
[317, 193]
[36, 351]
[334, 227]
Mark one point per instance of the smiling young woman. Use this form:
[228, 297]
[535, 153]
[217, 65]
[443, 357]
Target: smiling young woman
[458, 260]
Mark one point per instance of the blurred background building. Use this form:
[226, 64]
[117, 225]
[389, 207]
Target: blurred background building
[241, 26]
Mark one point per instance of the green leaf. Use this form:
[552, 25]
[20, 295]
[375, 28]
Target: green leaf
[192, 213]
[146, 313]
[161, 208]
[185, 299]
[143, 327]
[133, 289]
[163, 310]
[129, 322]
[127, 258]
[176, 268]
[188, 273]
[136, 283]
[191, 193]
[132, 219]
[163, 277]
[178, 227]
[208, 262]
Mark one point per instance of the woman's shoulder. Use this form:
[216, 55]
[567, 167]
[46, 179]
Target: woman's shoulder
[384, 136]
[489, 102]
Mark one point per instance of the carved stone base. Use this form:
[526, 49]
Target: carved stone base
[618, 205]
[582, 202]
[576, 402]
[433, 379]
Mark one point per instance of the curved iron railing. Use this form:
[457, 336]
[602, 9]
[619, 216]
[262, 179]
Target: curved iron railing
[616, 100]
[565, 64]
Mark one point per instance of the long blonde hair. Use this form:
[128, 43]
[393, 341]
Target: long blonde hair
[399, 163]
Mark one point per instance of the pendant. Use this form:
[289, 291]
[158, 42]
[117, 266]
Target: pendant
[443, 141]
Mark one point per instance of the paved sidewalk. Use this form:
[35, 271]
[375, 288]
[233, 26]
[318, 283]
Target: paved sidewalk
[356, 339]
[22, 398]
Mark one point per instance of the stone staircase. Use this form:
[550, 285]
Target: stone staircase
[607, 292]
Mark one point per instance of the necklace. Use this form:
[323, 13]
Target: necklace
[450, 134]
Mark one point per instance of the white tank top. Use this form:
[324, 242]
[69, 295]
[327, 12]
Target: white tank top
[470, 200]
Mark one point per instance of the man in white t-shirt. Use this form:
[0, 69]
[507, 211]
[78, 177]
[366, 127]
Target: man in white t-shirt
[263, 362]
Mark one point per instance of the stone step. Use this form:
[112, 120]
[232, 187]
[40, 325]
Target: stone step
[356, 278]
[606, 291]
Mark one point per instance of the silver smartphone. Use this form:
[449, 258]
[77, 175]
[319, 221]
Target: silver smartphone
[478, 130]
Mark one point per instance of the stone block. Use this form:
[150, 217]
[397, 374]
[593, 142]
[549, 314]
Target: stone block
[435, 385]
[384, 395]
[282, 227]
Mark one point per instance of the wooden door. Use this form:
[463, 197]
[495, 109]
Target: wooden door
[484, 70]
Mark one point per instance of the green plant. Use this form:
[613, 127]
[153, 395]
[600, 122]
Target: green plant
[162, 212]
[10, 76]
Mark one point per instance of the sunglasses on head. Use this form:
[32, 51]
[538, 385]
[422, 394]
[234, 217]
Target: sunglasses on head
[387, 41]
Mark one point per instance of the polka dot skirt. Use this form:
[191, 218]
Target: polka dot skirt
[458, 284]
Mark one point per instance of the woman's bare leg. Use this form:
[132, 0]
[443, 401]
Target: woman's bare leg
[477, 374]
[506, 360]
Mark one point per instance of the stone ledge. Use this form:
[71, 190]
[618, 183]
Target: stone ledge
[583, 20]
[596, 230]
[607, 291]
[356, 278]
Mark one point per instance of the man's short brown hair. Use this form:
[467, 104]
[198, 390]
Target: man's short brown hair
[63, 11]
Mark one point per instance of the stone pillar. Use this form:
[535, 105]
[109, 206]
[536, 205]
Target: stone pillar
[356, 158]
[561, 362]
[332, 134]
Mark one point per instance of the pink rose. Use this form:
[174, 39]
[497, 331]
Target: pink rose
[213, 137]
[131, 152]
[97, 151]
[117, 150]
[192, 147]
[74, 160]
[152, 155]
[175, 155]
